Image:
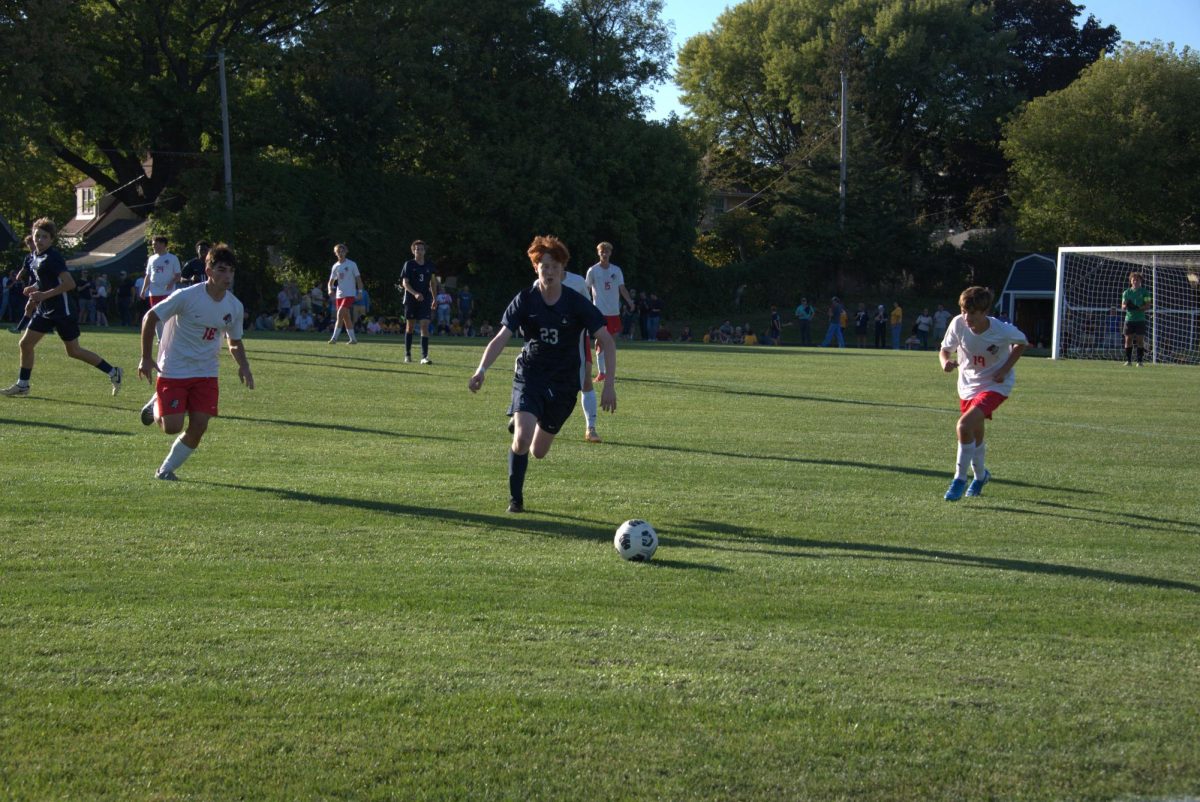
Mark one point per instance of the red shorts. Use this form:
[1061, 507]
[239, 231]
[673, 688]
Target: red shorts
[176, 396]
[154, 299]
[613, 324]
[988, 401]
[345, 303]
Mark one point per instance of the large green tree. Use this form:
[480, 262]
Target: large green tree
[1115, 157]
[102, 84]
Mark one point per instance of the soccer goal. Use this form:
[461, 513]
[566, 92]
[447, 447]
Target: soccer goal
[1088, 320]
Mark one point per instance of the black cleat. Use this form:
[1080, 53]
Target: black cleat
[516, 506]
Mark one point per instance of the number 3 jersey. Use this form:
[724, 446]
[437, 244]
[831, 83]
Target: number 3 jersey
[194, 324]
[980, 355]
[553, 352]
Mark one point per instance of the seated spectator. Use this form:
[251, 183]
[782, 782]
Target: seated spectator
[737, 338]
[726, 331]
[304, 320]
[713, 336]
[320, 320]
[685, 334]
[468, 328]
[748, 338]
[283, 321]
[264, 322]
[456, 329]
[374, 326]
[486, 330]
[663, 334]
[913, 343]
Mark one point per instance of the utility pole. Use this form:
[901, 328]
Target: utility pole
[845, 152]
[225, 131]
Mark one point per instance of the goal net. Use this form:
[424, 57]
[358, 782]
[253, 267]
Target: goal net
[1088, 319]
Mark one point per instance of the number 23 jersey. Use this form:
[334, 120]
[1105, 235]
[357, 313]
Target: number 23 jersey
[553, 351]
[191, 339]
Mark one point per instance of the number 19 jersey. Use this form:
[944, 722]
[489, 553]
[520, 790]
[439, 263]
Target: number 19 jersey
[191, 339]
[553, 333]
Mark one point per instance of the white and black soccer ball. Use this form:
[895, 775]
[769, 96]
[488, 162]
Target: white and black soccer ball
[636, 540]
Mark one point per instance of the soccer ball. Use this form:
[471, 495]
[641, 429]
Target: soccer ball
[636, 540]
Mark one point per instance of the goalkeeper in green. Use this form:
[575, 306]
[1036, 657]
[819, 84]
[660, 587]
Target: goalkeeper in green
[1134, 301]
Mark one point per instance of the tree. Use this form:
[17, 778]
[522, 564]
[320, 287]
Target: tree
[106, 83]
[1115, 157]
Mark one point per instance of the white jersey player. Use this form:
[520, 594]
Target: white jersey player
[345, 283]
[606, 285]
[162, 273]
[196, 320]
[984, 350]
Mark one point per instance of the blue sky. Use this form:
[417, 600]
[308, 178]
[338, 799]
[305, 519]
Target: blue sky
[1175, 21]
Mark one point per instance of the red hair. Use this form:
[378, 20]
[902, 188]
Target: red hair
[551, 245]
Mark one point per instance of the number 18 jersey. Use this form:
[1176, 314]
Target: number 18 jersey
[192, 334]
[553, 351]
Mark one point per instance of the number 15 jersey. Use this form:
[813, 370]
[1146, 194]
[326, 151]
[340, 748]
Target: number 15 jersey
[553, 351]
[191, 338]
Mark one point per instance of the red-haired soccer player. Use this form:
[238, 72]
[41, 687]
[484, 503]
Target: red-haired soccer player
[553, 320]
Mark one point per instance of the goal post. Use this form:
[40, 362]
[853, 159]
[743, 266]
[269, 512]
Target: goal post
[1088, 319]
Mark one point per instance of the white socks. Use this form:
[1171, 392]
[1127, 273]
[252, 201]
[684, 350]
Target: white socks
[977, 460]
[176, 456]
[966, 453]
[589, 408]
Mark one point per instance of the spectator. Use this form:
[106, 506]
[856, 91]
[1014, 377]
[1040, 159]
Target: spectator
[374, 326]
[361, 307]
[775, 332]
[465, 302]
[654, 311]
[836, 315]
[643, 311]
[913, 343]
[663, 334]
[85, 291]
[283, 304]
[304, 320]
[713, 336]
[804, 316]
[486, 330]
[685, 334]
[941, 321]
[923, 326]
[283, 321]
[862, 319]
[628, 317]
[443, 301]
[264, 322]
[456, 329]
[897, 320]
[881, 322]
[102, 300]
[737, 338]
[125, 295]
[725, 333]
[749, 338]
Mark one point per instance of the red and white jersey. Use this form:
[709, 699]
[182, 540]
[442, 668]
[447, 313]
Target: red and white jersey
[161, 271]
[191, 339]
[980, 355]
[346, 274]
[604, 284]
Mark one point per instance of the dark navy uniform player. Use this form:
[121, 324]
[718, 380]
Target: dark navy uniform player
[549, 369]
[48, 288]
[418, 282]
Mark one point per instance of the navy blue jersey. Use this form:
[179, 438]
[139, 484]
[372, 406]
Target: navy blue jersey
[419, 276]
[45, 269]
[553, 351]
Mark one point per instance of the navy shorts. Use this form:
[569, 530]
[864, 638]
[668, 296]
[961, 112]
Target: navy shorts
[67, 326]
[550, 405]
[417, 310]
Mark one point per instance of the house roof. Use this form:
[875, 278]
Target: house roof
[1035, 273]
[118, 246]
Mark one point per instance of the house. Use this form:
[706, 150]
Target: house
[1028, 297]
[721, 201]
[107, 237]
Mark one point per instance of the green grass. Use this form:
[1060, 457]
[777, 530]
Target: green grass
[334, 604]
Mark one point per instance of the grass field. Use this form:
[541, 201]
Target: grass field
[334, 604]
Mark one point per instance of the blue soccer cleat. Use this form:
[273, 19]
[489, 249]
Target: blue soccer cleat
[957, 488]
[976, 486]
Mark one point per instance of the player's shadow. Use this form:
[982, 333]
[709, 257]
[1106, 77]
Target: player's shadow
[1140, 523]
[704, 532]
[337, 427]
[835, 463]
[721, 390]
[64, 428]
[566, 528]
